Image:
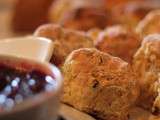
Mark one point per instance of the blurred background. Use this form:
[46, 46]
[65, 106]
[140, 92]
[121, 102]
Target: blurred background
[19, 17]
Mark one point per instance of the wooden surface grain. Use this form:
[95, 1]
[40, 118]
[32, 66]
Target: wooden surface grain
[136, 113]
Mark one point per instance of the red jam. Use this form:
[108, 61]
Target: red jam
[19, 84]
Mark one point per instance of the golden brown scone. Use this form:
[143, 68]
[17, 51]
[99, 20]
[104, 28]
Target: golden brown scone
[147, 65]
[80, 14]
[131, 13]
[150, 24]
[99, 84]
[119, 41]
[52, 31]
[65, 41]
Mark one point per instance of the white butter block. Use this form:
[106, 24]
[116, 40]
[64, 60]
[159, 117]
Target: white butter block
[30, 47]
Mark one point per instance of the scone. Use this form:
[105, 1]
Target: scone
[119, 41]
[147, 65]
[131, 13]
[80, 14]
[99, 84]
[65, 41]
[150, 24]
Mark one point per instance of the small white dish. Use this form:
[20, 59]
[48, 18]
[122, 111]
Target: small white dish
[30, 47]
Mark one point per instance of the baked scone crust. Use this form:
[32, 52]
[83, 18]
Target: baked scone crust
[64, 40]
[147, 65]
[150, 24]
[119, 41]
[99, 84]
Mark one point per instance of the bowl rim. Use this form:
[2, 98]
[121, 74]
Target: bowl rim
[39, 98]
[29, 39]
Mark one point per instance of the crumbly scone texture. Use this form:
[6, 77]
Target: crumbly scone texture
[150, 24]
[99, 84]
[65, 41]
[119, 41]
[147, 65]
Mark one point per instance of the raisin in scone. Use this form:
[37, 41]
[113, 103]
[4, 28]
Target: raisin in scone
[99, 84]
[147, 65]
[119, 41]
[65, 41]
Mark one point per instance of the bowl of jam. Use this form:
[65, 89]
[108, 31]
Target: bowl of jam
[29, 90]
